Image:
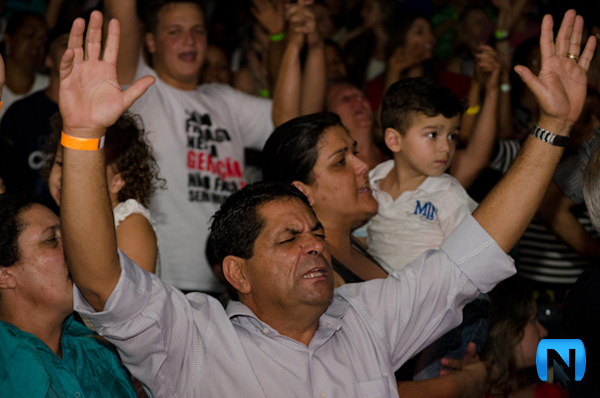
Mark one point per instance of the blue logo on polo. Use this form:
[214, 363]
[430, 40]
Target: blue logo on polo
[427, 210]
[566, 356]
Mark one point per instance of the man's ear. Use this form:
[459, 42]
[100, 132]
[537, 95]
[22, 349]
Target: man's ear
[234, 271]
[393, 139]
[150, 43]
[7, 278]
[116, 184]
[306, 190]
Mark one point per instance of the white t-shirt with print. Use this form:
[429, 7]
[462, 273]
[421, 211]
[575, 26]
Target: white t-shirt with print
[417, 220]
[198, 139]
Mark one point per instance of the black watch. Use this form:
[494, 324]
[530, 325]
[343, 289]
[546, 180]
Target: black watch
[548, 137]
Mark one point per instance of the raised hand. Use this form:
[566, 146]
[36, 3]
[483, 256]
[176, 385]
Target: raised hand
[560, 89]
[487, 67]
[270, 14]
[90, 98]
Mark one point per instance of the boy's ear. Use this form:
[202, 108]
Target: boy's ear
[150, 43]
[48, 62]
[306, 190]
[116, 184]
[234, 271]
[393, 139]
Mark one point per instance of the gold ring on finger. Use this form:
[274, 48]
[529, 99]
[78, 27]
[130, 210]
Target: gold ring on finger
[573, 56]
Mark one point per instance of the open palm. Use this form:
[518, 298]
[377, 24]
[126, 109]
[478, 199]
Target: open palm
[561, 86]
[90, 98]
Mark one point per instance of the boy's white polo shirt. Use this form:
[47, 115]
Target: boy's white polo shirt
[417, 220]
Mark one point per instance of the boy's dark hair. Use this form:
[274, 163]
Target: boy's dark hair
[127, 151]
[407, 97]
[291, 152]
[11, 225]
[238, 223]
[149, 11]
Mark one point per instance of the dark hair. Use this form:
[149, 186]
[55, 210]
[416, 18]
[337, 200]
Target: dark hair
[127, 151]
[407, 97]
[150, 10]
[291, 152]
[510, 311]
[238, 223]
[11, 225]
[17, 19]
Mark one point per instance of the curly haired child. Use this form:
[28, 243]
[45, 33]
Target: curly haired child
[132, 179]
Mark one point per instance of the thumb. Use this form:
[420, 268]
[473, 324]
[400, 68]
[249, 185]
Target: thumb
[136, 90]
[531, 80]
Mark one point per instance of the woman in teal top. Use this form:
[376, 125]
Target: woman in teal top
[44, 352]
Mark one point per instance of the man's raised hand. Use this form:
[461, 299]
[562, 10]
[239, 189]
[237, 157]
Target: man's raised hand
[90, 98]
[561, 86]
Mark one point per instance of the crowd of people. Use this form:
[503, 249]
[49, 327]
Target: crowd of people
[296, 198]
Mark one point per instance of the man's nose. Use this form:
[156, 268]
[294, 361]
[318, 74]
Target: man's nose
[312, 244]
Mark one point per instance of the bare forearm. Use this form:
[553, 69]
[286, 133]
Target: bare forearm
[52, 12]
[125, 11]
[481, 144]
[509, 207]
[468, 121]
[314, 81]
[286, 96]
[88, 225]
[275, 56]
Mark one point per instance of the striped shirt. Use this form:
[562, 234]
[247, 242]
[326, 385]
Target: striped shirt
[188, 346]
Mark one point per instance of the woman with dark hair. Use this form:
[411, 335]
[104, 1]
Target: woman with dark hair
[44, 351]
[24, 51]
[317, 154]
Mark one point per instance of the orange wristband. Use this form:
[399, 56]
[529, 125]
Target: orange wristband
[0, 104]
[82, 144]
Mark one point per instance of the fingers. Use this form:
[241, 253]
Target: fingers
[547, 48]
[136, 90]
[111, 49]
[564, 33]
[575, 40]
[588, 53]
[76, 40]
[456, 364]
[93, 42]
[66, 63]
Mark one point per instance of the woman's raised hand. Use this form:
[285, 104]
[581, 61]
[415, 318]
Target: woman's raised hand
[90, 98]
[560, 88]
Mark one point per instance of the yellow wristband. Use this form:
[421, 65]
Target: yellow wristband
[82, 144]
[473, 110]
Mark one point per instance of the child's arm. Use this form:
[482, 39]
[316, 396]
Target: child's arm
[469, 162]
[136, 238]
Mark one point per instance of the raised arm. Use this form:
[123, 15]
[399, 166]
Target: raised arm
[125, 11]
[314, 79]
[560, 90]
[469, 162]
[90, 100]
[286, 95]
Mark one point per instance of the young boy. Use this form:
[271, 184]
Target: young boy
[420, 205]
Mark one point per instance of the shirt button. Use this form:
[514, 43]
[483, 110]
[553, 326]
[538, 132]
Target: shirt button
[77, 395]
[265, 331]
[323, 395]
